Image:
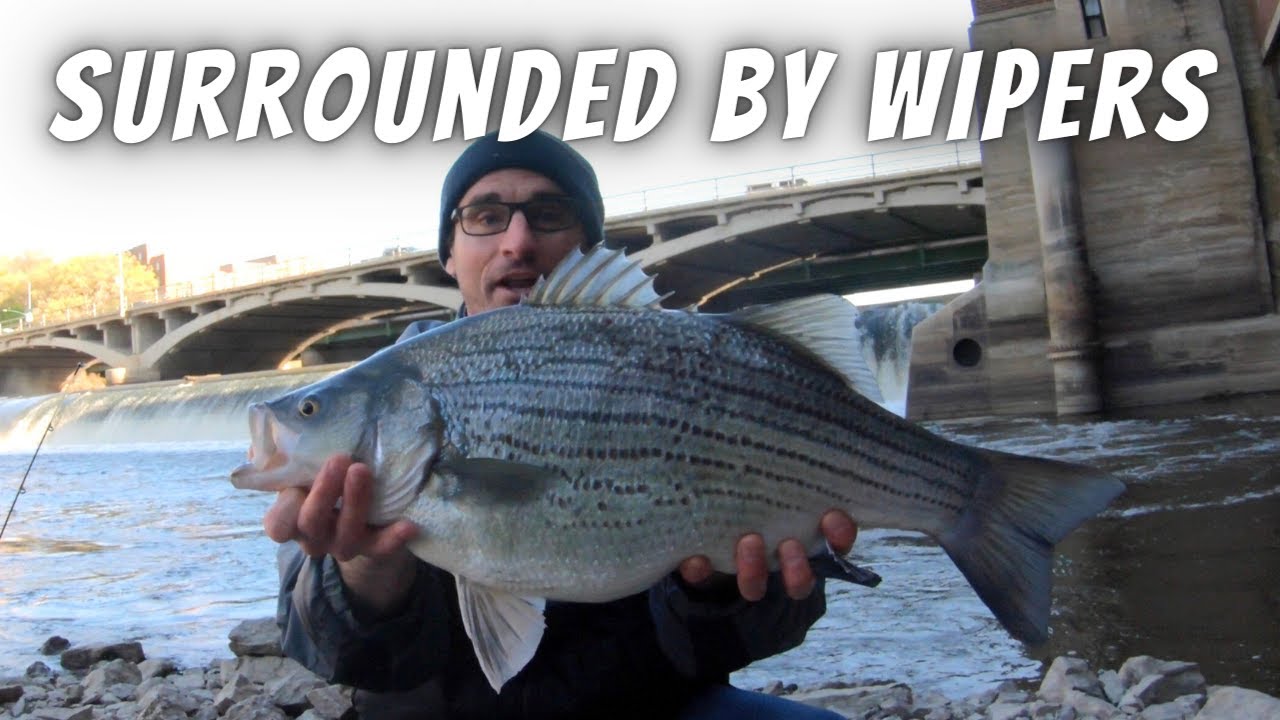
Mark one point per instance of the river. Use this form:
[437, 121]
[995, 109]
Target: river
[129, 529]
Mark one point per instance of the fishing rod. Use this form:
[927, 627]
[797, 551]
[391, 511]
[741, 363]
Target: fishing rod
[22, 485]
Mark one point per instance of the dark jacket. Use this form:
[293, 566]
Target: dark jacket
[641, 656]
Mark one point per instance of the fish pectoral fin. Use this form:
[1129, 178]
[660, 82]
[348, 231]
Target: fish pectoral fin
[505, 629]
[496, 482]
[834, 566]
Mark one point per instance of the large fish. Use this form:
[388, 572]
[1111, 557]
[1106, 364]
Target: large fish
[579, 445]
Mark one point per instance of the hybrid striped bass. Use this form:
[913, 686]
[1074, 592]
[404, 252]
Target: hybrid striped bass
[579, 445]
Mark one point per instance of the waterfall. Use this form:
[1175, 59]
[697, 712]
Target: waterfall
[885, 334]
[205, 409]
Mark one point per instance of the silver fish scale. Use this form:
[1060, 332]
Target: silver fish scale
[669, 434]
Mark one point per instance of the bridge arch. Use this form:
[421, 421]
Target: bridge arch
[245, 305]
[923, 228]
[764, 216]
[96, 352]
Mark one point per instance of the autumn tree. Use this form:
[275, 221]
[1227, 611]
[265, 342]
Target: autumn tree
[78, 286]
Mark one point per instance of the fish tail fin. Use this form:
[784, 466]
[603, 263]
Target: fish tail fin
[1003, 542]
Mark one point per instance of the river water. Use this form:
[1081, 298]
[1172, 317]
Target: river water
[129, 529]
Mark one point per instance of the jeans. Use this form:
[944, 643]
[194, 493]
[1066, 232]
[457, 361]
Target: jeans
[725, 702]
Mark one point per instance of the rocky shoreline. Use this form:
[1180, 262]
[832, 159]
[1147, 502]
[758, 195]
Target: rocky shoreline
[118, 682]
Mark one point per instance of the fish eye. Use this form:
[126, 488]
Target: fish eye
[308, 407]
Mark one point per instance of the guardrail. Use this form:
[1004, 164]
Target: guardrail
[857, 167]
[869, 166]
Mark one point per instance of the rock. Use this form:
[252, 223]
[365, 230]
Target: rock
[1192, 702]
[773, 688]
[38, 671]
[74, 693]
[157, 668]
[1233, 703]
[257, 707]
[256, 637]
[1068, 673]
[148, 685]
[859, 702]
[1168, 682]
[80, 713]
[105, 677]
[83, 658]
[122, 711]
[10, 693]
[289, 690]
[54, 645]
[329, 702]
[65, 680]
[188, 679]
[1041, 710]
[1007, 711]
[237, 688]
[163, 702]
[1165, 711]
[260, 670]
[1112, 687]
[1085, 705]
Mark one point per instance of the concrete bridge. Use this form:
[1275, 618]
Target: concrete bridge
[765, 241]
[1121, 272]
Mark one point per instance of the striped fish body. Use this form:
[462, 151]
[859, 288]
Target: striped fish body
[666, 434]
[579, 446]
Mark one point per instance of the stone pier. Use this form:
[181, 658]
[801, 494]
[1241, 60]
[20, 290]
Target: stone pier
[1162, 287]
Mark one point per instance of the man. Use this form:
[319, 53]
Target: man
[358, 608]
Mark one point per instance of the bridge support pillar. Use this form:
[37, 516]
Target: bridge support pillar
[1074, 349]
[118, 336]
[147, 330]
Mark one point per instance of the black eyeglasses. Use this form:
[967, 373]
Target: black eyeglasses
[544, 214]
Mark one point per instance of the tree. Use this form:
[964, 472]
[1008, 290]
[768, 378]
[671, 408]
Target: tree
[76, 287]
[13, 280]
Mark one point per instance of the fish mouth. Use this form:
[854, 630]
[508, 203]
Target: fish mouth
[271, 463]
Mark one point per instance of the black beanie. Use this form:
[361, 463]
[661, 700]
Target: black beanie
[540, 152]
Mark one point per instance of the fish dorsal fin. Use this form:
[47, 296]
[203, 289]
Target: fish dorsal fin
[601, 277]
[824, 325]
[505, 629]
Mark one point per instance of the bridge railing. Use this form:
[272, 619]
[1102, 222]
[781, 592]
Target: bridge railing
[857, 167]
[869, 166]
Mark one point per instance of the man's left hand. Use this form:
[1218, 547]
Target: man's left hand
[793, 561]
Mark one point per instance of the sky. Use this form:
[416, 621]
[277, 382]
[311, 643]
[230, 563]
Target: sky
[220, 200]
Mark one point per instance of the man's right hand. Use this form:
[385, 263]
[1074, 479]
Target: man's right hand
[375, 565]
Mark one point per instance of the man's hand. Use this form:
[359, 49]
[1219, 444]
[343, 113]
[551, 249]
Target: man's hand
[753, 565]
[373, 561]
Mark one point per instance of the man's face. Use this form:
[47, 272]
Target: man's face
[494, 271]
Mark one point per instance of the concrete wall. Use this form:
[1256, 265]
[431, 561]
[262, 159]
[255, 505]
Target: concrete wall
[1176, 234]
